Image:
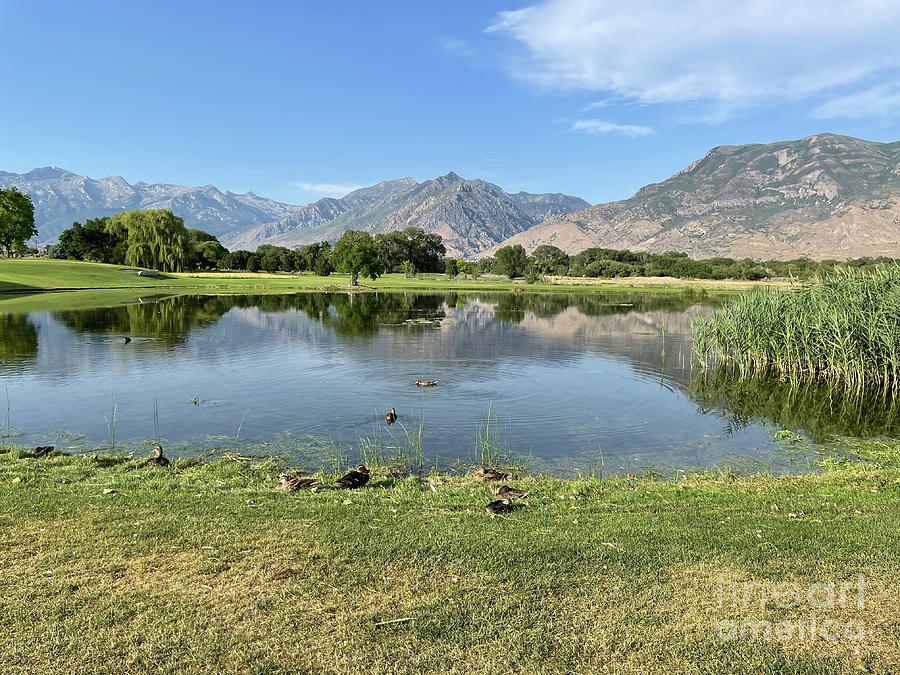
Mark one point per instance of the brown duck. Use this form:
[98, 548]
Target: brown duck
[426, 383]
[158, 459]
[355, 478]
[391, 416]
[499, 507]
[491, 474]
[506, 492]
[43, 451]
[290, 483]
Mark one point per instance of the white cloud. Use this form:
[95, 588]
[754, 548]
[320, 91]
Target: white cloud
[882, 100]
[327, 189]
[721, 53]
[595, 126]
[597, 104]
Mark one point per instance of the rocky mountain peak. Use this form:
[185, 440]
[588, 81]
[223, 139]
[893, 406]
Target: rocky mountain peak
[825, 195]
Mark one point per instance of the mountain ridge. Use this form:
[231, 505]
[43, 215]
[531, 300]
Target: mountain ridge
[824, 195]
[469, 214]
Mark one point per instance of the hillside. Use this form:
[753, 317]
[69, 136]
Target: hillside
[825, 196]
[470, 215]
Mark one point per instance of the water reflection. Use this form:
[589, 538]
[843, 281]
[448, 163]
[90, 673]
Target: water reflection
[819, 409]
[18, 341]
[170, 319]
[567, 375]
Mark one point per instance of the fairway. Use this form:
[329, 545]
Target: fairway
[30, 275]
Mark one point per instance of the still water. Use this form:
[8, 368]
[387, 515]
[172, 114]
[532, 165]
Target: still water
[562, 382]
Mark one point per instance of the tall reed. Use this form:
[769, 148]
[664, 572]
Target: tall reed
[843, 328]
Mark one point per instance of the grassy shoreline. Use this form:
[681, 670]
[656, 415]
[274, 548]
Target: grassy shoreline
[20, 276]
[205, 567]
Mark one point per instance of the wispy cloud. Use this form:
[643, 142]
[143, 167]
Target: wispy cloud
[595, 126]
[327, 189]
[879, 101]
[729, 55]
[458, 48]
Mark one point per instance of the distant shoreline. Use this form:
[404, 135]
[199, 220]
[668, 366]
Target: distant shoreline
[29, 276]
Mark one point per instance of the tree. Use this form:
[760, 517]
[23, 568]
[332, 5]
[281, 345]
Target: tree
[424, 250]
[207, 252]
[91, 242]
[314, 257]
[356, 253]
[451, 267]
[549, 259]
[16, 220]
[393, 249]
[270, 261]
[324, 267]
[156, 239]
[511, 261]
[235, 260]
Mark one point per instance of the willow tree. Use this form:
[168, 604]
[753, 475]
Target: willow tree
[155, 239]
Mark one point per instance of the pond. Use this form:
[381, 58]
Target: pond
[561, 382]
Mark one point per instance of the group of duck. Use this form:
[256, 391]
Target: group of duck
[358, 477]
[353, 479]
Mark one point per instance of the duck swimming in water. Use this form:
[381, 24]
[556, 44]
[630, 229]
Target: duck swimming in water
[355, 478]
[491, 474]
[426, 383]
[290, 483]
[126, 340]
[506, 492]
[391, 416]
[158, 458]
[499, 507]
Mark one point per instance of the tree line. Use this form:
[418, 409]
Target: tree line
[547, 260]
[157, 239]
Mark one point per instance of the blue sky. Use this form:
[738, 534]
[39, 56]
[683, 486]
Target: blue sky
[296, 100]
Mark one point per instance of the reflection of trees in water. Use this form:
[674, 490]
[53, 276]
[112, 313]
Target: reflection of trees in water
[365, 313]
[816, 407]
[511, 307]
[18, 341]
[171, 319]
[168, 319]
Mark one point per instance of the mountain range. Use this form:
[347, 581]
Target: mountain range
[470, 215]
[824, 196]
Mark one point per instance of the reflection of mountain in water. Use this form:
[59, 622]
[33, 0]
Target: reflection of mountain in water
[461, 337]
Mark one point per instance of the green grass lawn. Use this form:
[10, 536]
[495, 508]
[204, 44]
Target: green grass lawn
[32, 275]
[110, 566]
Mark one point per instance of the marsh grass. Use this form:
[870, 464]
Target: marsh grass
[112, 423]
[492, 446]
[841, 328]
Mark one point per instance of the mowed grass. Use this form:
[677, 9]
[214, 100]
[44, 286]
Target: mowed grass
[31, 275]
[113, 567]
